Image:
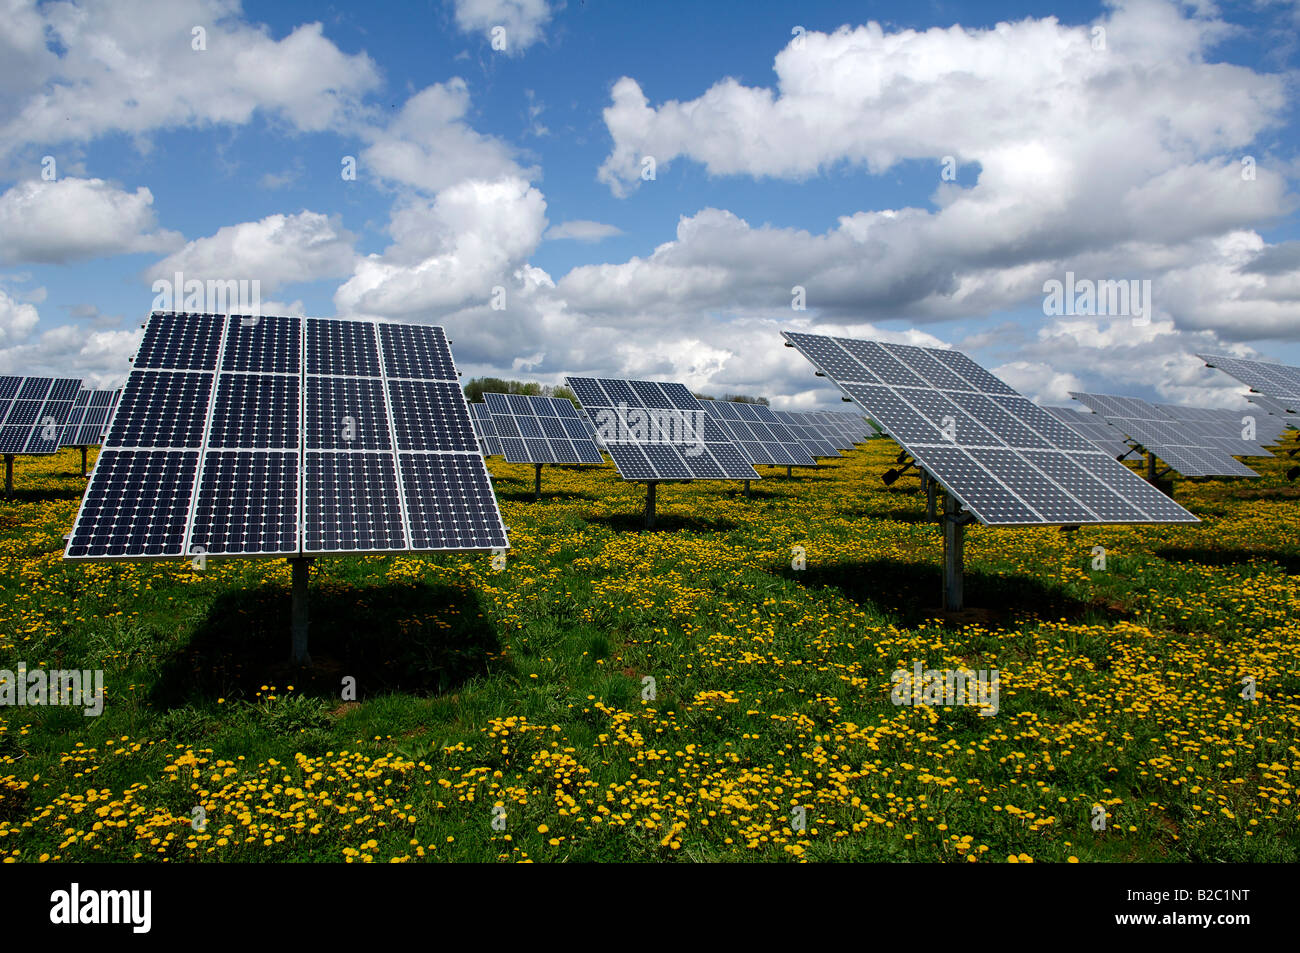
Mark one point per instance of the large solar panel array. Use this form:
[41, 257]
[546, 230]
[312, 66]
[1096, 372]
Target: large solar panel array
[1094, 427]
[279, 436]
[1226, 427]
[540, 430]
[87, 423]
[1190, 453]
[807, 432]
[840, 428]
[659, 431]
[761, 437]
[33, 412]
[485, 429]
[1281, 382]
[1006, 460]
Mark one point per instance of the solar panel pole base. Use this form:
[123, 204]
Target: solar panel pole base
[789, 472]
[83, 461]
[301, 571]
[9, 474]
[954, 540]
[746, 489]
[537, 484]
[650, 488]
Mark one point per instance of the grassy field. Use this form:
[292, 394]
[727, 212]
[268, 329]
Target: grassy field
[500, 715]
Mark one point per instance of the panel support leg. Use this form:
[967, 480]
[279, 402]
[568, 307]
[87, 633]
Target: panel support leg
[301, 570]
[9, 474]
[746, 489]
[1151, 468]
[83, 461]
[929, 495]
[650, 504]
[954, 539]
[537, 484]
[789, 471]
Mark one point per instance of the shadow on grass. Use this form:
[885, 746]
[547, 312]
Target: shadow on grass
[1290, 562]
[410, 637]
[912, 593]
[526, 496]
[633, 521]
[75, 490]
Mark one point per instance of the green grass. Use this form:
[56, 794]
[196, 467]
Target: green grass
[524, 687]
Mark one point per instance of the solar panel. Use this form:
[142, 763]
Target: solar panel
[284, 436]
[34, 412]
[488, 440]
[1281, 382]
[659, 431]
[1094, 428]
[809, 435]
[761, 437]
[1223, 429]
[1274, 406]
[1178, 444]
[1006, 460]
[540, 430]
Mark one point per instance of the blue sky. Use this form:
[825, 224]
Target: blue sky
[795, 144]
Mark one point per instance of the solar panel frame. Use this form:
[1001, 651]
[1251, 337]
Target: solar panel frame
[997, 483]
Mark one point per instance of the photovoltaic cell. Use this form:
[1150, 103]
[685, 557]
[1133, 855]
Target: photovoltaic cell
[1006, 460]
[1279, 382]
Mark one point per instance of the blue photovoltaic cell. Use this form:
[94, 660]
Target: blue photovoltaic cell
[418, 351]
[430, 415]
[180, 341]
[247, 503]
[453, 504]
[352, 503]
[342, 348]
[347, 413]
[1006, 460]
[162, 409]
[255, 411]
[137, 504]
[268, 345]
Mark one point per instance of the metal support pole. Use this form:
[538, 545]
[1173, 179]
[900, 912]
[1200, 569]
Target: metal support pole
[746, 489]
[650, 504]
[1151, 467]
[954, 538]
[301, 570]
[83, 461]
[929, 495]
[537, 484]
[9, 474]
[789, 471]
